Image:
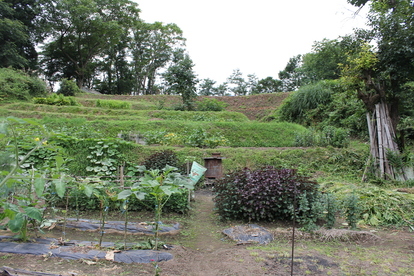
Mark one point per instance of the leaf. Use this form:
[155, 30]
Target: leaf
[87, 190]
[39, 185]
[17, 223]
[59, 161]
[34, 213]
[124, 194]
[140, 195]
[60, 187]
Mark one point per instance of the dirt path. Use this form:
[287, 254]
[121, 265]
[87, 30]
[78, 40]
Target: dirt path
[210, 253]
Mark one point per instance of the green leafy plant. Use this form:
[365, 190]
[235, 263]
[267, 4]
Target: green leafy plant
[328, 136]
[352, 210]
[57, 99]
[210, 104]
[26, 185]
[68, 88]
[113, 104]
[159, 184]
[332, 207]
[17, 85]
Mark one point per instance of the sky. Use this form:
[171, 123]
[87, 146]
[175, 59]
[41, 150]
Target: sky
[257, 37]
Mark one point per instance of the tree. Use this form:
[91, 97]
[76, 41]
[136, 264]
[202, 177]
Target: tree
[291, 76]
[252, 81]
[269, 85]
[379, 75]
[82, 31]
[152, 46]
[207, 88]
[181, 79]
[239, 86]
[323, 62]
[117, 76]
[18, 33]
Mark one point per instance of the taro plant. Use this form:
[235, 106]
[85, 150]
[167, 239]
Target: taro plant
[102, 191]
[160, 185]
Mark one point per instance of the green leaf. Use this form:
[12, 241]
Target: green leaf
[60, 186]
[88, 190]
[124, 194]
[34, 213]
[59, 161]
[39, 185]
[140, 195]
[17, 223]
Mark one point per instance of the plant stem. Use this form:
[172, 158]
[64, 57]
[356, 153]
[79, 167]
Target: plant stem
[65, 217]
[126, 225]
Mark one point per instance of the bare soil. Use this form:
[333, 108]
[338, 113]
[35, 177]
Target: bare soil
[201, 249]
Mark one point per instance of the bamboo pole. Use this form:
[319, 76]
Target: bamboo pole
[380, 141]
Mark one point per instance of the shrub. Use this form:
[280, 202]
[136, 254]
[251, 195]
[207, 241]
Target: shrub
[57, 99]
[210, 104]
[306, 98]
[113, 104]
[266, 194]
[160, 159]
[68, 88]
[16, 85]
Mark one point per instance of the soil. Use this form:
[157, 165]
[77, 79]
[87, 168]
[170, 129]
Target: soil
[201, 249]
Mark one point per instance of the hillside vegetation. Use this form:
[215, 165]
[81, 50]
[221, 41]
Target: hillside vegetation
[101, 133]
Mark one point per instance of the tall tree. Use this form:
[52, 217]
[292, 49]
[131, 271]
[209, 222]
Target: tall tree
[269, 85]
[238, 85]
[181, 79]
[152, 47]
[206, 87]
[82, 31]
[323, 62]
[19, 33]
[379, 75]
[291, 76]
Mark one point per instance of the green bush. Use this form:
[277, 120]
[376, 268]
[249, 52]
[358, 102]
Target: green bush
[210, 104]
[57, 99]
[68, 88]
[16, 85]
[113, 104]
[295, 108]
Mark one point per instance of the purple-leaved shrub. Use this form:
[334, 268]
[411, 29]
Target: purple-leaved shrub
[267, 194]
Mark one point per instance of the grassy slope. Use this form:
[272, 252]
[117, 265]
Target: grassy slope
[234, 124]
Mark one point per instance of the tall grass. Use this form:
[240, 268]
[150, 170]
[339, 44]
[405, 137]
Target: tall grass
[113, 104]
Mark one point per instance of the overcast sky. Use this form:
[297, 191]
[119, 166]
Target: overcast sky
[258, 37]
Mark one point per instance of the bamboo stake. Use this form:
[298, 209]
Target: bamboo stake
[380, 142]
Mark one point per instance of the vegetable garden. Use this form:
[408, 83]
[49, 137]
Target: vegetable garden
[55, 171]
